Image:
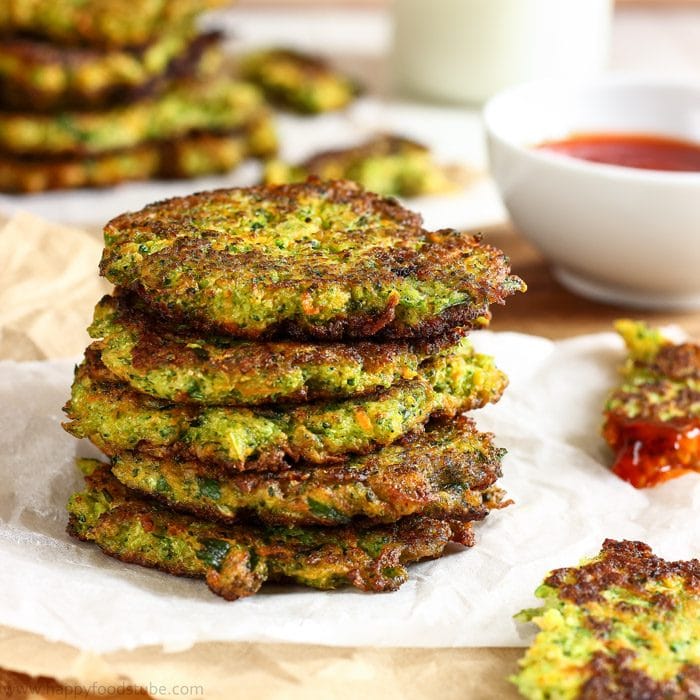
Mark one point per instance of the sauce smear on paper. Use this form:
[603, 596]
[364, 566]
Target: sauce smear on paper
[651, 453]
[645, 151]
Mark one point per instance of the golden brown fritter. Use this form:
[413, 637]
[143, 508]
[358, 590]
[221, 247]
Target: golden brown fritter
[320, 259]
[170, 361]
[624, 625]
[447, 472]
[116, 418]
[236, 560]
[190, 156]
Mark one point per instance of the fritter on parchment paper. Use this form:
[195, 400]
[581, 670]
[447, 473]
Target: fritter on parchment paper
[624, 625]
[236, 560]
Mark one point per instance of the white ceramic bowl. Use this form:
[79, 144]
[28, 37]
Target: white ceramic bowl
[612, 233]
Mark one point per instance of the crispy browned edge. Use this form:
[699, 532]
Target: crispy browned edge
[614, 678]
[623, 564]
[378, 326]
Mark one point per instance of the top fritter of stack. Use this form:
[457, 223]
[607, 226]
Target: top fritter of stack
[317, 260]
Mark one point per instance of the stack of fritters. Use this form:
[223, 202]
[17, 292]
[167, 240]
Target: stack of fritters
[95, 92]
[278, 382]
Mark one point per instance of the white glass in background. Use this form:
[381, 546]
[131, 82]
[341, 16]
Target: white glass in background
[467, 50]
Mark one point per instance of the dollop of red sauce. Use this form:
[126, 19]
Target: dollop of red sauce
[651, 453]
[645, 151]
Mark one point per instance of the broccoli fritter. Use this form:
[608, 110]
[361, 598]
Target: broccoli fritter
[652, 420]
[623, 626]
[103, 23]
[386, 164]
[116, 418]
[37, 76]
[446, 472]
[192, 155]
[298, 81]
[217, 104]
[236, 560]
[170, 361]
[319, 259]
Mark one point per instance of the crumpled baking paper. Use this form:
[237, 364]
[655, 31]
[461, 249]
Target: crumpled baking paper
[48, 288]
[566, 503]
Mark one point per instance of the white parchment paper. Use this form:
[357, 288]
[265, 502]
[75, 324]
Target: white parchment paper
[567, 502]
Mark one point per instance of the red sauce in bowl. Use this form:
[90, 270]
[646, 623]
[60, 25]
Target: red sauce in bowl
[645, 151]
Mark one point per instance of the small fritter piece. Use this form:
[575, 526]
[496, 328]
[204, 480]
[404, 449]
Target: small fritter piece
[37, 76]
[116, 418]
[446, 472]
[103, 23]
[386, 164]
[189, 156]
[172, 362]
[624, 625]
[236, 560]
[298, 81]
[320, 259]
[652, 421]
[217, 104]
